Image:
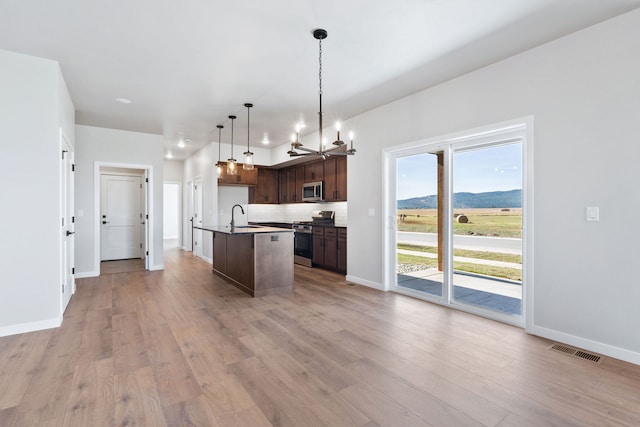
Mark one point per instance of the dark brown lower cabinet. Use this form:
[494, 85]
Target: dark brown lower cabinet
[330, 248]
[318, 246]
[342, 250]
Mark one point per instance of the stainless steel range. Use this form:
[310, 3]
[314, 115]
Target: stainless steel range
[303, 236]
[302, 243]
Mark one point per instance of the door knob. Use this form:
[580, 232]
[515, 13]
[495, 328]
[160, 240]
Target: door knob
[69, 233]
[105, 222]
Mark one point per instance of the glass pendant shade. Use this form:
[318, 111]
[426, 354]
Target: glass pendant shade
[219, 163]
[232, 167]
[248, 161]
[232, 164]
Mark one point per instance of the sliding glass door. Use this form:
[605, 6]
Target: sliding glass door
[456, 208]
[419, 236]
[487, 227]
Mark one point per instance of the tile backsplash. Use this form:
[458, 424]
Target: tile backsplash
[295, 212]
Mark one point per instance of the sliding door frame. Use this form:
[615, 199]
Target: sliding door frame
[518, 130]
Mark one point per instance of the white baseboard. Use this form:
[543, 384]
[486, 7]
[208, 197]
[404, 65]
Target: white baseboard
[587, 344]
[156, 267]
[365, 282]
[22, 328]
[209, 260]
[184, 248]
[85, 274]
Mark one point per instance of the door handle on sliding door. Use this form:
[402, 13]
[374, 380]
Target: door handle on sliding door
[69, 233]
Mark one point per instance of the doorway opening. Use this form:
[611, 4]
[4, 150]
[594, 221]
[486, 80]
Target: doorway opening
[171, 215]
[456, 213]
[123, 207]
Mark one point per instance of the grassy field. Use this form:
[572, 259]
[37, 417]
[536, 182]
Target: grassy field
[493, 256]
[482, 222]
[486, 270]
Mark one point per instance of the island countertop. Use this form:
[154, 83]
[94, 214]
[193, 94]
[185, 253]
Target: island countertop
[243, 229]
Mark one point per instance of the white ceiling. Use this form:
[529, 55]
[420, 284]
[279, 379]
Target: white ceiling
[187, 65]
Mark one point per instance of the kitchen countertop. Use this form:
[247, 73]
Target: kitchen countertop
[289, 224]
[245, 229]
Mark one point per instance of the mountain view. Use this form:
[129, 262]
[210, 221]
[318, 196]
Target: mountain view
[491, 199]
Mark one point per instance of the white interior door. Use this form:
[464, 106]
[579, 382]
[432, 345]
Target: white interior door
[121, 213]
[67, 206]
[197, 216]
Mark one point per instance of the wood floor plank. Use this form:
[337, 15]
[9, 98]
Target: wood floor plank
[136, 399]
[97, 337]
[17, 369]
[250, 417]
[174, 378]
[312, 391]
[277, 402]
[323, 367]
[91, 401]
[321, 343]
[412, 370]
[226, 395]
[426, 405]
[195, 412]
[129, 349]
[381, 409]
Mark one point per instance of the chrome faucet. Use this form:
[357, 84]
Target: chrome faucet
[233, 222]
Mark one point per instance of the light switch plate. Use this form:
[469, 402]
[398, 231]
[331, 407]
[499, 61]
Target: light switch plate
[593, 213]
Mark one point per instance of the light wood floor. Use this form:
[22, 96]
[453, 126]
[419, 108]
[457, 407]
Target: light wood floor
[182, 347]
[121, 266]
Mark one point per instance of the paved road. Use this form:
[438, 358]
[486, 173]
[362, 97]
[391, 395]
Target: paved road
[476, 243]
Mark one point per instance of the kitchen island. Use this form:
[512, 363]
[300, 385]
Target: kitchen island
[255, 259]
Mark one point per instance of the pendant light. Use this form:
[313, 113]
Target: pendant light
[320, 34]
[232, 164]
[248, 155]
[219, 164]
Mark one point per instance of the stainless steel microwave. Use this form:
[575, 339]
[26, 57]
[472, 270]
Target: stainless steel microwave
[312, 192]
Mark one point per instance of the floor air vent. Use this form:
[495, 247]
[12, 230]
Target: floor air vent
[575, 352]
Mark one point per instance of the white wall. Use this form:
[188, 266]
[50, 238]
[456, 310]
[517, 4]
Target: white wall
[102, 145]
[173, 170]
[34, 106]
[229, 196]
[583, 92]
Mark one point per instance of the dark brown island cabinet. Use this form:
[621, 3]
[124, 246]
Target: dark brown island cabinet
[257, 260]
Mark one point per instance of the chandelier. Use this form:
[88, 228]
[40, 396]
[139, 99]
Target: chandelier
[320, 34]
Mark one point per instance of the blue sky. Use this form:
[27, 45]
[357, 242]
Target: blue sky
[475, 171]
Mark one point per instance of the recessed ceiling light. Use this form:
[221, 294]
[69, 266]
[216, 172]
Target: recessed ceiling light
[169, 155]
[265, 139]
[123, 100]
[181, 143]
